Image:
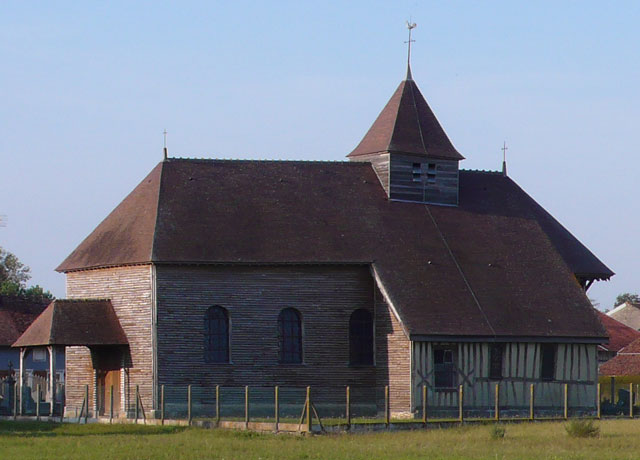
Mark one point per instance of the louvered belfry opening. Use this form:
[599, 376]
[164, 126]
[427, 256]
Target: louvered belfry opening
[410, 152]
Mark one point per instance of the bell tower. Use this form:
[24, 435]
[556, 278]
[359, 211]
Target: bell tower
[410, 152]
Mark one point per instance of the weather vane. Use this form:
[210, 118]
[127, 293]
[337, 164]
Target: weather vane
[410, 26]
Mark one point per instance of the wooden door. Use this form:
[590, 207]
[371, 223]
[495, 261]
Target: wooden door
[106, 381]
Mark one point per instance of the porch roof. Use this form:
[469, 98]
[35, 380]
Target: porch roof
[87, 322]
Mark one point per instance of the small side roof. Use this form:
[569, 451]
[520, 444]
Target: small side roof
[620, 335]
[626, 362]
[69, 322]
[16, 314]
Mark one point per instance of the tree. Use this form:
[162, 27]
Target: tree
[14, 276]
[627, 297]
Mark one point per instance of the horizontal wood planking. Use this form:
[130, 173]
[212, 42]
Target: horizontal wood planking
[129, 289]
[576, 364]
[403, 187]
[380, 164]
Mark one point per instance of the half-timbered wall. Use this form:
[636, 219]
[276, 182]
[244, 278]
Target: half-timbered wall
[130, 291]
[575, 365]
[414, 178]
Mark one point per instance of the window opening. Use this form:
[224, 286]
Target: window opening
[361, 338]
[495, 370]
[290, 336]
[444, 370]
[217, 335]
[548, 364]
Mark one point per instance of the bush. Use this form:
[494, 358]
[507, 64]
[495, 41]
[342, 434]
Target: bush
[497, 432]
[582, 429]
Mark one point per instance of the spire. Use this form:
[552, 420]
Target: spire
[407, 125]
[410, 26]
[164, 150]
[504, 158]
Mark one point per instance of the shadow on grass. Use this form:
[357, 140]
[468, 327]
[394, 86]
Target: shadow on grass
[48, 429]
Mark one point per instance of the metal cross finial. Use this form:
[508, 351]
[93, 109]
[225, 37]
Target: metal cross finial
[504, 158]
[165, 151]
[410, 26]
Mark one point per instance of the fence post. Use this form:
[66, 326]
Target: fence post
[38, 402]
[631, 400]
[15, 400]
[598, 401]
[386, 405]
[217, 404]
[189, 405]
[424, 404]
[309, 427]
[566, 401]
[497, 398]
[348, 407]
[161, 404]
[246, 407]
[461, 399]
[111, 404]
[86, 398]
[531, 402]
[277, 408]
[613, 390]
[136, 410]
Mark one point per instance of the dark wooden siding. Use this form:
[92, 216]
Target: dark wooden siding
[444, 189]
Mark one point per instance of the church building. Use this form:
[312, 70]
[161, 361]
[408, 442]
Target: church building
[394, 268]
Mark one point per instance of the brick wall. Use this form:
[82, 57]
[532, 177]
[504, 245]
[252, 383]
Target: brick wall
[130, 292]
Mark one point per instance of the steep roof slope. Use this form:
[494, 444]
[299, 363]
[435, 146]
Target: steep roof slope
[408, 125]
[489, 267]
[75, 322]
[16, 314]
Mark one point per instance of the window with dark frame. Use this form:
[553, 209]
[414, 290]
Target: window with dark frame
[548, 361]
[216, 335]
[290, 336]
[361, 338]
[444, 369]
[495, 361]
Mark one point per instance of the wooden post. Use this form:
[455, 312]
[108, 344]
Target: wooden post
[38, 402]
[136, 410]
[161, 404]
[86, 398]
[613, 390]
[598, 401]
[21, 378]
[111, 404]
[386, 405]
[309, 426]
[460, 402]
[246, 407]
[424, 404]
[16, 387]
[631, 400]
[531, 400]
[217, 403]
[52, 379]
[566, 401]
[497, 398]
[189, 405]
[277, 406]
[348, 407]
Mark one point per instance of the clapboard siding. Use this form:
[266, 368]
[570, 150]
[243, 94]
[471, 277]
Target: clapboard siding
[254, 296]
[380, 164]
[444, 189]
[576, 365]
[129, 289]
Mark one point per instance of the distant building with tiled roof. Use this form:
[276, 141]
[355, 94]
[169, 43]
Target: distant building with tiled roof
[620, 335]
[395, 268]
[627, 313]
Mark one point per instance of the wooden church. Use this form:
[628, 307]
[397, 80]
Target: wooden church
[394, 268]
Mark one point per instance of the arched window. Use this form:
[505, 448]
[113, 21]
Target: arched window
[361, 338]
[290, 336]
[216, 347]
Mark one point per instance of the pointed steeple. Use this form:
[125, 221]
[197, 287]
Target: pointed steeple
[407, 125]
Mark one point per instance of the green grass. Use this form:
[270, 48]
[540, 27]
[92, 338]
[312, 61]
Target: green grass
[549, 440]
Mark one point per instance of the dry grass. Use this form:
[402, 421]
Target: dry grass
[549, 440]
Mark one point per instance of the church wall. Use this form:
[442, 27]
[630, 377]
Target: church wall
[254, 296]
[432, 181]
[130, 291]
[575, 365]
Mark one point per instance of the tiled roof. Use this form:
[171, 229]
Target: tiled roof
[626, 362]
[16, 314]
[407, 124]
[619, 334]
[496, 265]
[75, 322]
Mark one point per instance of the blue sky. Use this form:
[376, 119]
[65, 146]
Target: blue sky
[87, 89]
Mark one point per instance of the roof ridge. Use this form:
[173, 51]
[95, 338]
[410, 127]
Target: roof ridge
[252, 160]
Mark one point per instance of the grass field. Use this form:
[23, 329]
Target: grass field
[619, 439]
